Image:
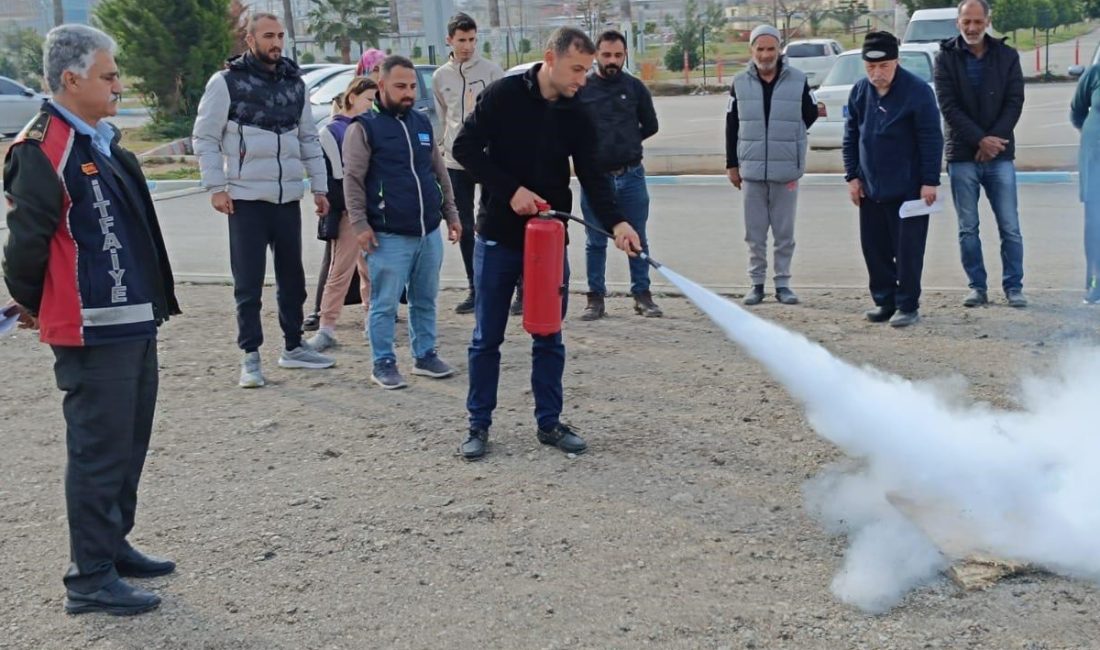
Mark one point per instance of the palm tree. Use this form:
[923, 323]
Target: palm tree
[343, 22]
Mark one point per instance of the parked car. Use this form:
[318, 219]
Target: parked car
[524, 67]
[932, 25]
[314, 79]
[832, 97]
[18, 104]
[321, 99]
[310, 67]
[521, 68]
[814, 57]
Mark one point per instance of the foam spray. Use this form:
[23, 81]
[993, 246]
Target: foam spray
[934, 480]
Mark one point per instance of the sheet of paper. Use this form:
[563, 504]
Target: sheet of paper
[918, 207]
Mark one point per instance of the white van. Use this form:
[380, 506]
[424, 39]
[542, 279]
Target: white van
[932, 25]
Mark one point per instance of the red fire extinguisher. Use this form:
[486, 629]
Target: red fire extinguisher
[543, 273]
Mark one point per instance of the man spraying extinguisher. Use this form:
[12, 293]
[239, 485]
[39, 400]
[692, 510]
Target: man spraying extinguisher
[517, 143]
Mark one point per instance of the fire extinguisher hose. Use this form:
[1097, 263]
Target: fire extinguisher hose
[548, 213]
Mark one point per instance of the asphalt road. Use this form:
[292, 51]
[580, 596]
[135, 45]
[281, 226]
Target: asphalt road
[697, 230]
[693, 133]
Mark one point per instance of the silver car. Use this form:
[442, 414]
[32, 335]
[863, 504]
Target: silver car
[18, 104]
[813, 57]
[320, 99]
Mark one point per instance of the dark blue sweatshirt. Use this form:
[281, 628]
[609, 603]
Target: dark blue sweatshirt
[893, 143]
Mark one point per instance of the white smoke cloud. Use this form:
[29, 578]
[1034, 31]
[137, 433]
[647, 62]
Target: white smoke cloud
[935, 479]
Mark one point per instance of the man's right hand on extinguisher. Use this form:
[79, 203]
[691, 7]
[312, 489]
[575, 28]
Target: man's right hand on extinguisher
[627, 239]
[526, 203]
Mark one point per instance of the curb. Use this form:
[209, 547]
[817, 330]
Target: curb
[816, 180]
[170, 189]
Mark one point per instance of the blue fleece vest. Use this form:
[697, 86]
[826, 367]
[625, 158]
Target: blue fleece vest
[403, 194]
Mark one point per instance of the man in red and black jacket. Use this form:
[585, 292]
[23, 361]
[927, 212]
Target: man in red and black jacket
[518, 143]
[86, 265]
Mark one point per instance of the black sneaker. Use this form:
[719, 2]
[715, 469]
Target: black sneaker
[311, 323]
[879, 314]
[386, 375]
[467, 305]
[904, 318]
[755, 296]
[562, 437]
[976, 298]
[786, 296]
[477, 443]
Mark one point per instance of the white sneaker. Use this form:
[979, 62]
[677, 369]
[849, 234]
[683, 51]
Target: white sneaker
[321, 341]
[251, 377]
[304, 357]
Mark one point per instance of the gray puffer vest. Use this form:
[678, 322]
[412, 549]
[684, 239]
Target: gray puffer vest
[774, 150]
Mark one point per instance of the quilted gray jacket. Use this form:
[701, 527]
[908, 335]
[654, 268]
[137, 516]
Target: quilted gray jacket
[254, 135]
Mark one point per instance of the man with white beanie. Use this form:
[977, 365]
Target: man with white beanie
[769, 110]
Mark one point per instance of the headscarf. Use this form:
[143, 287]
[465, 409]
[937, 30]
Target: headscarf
[368, 61]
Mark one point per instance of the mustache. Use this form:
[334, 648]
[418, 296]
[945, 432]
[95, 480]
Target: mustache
[116, 98]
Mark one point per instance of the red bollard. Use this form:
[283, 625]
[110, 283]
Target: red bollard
[1077, 52]
[1038, 62]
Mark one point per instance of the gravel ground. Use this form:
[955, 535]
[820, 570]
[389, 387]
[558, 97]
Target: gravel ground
[323, 512]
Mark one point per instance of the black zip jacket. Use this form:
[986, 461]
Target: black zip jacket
[515, 138]
[622, 110]
[969, 115]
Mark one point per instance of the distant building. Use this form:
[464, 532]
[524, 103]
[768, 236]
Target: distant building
[38, 14]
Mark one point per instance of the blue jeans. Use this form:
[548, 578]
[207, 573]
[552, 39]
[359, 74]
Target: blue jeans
[633, 199]
[999, 180]
[496, 271]
[401, 261]
[1092, 245]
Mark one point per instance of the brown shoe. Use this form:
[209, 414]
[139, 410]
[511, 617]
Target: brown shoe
[595, 309]
[644, 305]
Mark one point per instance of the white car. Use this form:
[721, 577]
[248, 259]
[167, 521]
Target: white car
[521, 68]
[813, 57]
[932, 25]
[18, 104]
[832, 97]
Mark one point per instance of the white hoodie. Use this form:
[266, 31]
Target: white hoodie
[456, 87]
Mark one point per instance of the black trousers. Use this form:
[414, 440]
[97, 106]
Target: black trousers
[893, 249]
[255, 226]
[110, 397]
[463, 184]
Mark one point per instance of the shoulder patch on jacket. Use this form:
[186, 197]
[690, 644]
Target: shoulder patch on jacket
[36, 128]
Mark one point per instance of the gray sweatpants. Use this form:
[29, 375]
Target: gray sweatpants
[770, 205]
